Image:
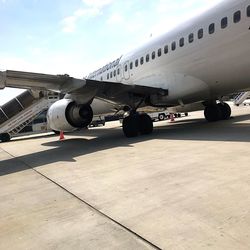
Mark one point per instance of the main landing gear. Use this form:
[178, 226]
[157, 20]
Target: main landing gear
[136, 124]
[216, 112]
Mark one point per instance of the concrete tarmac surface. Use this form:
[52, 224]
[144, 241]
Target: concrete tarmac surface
[186, 186]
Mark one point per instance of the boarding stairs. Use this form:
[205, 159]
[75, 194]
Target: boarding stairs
[21, 111]
[240, 98]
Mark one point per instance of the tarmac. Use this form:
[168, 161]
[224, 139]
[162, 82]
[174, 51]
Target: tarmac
[186, 186]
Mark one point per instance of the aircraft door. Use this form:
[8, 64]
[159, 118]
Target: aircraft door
[126, 72]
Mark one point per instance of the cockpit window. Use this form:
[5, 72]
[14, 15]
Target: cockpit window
[248, 11]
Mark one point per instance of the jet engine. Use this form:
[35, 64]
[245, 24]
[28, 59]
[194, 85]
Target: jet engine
[66, 115]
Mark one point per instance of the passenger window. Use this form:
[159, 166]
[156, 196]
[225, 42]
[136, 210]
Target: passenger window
[191, 38]
[118, 72]
[114, 73]
[200, 33]
[126, 68]
[181, 42]
[224, 22]
[211, 28]
[173, 46]
[159, 52]
[153, 55]
[107, 76]
[136, 63]
[237, 17]
[131, 65]
[147, 58]
[166, 49]
[111, 74]
[142, 60]
[248, 11]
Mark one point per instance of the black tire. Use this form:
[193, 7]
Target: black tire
[130, 126]
[213, 113]
[56, 132]
[179, 115]
[5, 137]
[186, 114]
[145, 124]
[225, 111]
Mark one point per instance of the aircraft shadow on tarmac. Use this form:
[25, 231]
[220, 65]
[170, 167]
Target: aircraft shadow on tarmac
[194, 130]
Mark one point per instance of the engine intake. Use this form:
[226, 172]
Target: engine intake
[66, 115]
[79, 116]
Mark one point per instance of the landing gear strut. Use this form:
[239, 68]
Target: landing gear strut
[136, 124]
[216, 112]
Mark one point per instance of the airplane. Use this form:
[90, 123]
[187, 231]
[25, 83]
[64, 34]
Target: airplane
[190, 68]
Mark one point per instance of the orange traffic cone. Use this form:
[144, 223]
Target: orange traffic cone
[172, 118]
[61, 136]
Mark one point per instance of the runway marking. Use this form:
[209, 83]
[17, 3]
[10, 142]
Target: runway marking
[89, 205]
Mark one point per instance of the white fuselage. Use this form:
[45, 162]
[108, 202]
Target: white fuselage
[197, 69]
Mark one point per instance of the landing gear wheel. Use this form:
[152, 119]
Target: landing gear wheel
[136, 124]
[130, 126]
[5, 137]
[225, 110]
[145, 124]
[161, 117]
[213, 113]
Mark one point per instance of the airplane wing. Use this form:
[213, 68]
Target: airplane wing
[110, 91]
[20, 79]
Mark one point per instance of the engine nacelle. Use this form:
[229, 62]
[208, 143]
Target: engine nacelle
[65, 115]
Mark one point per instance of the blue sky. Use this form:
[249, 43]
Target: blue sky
[79, 36]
